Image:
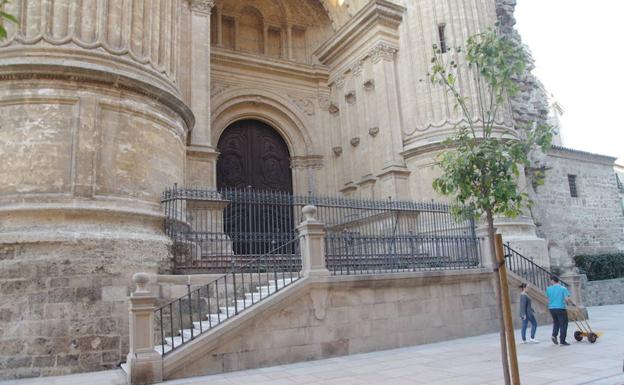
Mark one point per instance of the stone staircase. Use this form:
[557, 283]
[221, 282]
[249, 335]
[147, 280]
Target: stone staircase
[213, 310]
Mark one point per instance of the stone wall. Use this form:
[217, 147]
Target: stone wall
[591, 223]
[346, 315]
[606, 292]
[93, 130]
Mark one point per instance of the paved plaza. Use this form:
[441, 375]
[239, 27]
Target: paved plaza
[466, 361]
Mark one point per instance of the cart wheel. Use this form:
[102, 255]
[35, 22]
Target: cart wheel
[578, 335]
[592, 337]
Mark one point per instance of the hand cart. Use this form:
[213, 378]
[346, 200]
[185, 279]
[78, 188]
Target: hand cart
[582, 324]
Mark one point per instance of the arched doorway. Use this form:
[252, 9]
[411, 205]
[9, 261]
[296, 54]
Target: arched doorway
[253, 155]
[253, 174]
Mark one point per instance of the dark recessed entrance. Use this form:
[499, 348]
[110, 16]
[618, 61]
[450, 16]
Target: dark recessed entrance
[254, 157]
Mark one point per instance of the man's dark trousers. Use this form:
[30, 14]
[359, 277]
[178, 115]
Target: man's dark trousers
[560, 323]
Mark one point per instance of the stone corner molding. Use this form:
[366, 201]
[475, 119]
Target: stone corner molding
[379, 19]
[201, 6]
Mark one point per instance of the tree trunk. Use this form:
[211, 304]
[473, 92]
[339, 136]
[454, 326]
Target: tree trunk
[501, 320]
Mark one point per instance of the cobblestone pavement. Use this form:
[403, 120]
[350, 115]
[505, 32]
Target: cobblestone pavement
[466, 361]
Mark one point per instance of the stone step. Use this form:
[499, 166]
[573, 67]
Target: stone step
[159, 349]
[214, 319]
[174, 341]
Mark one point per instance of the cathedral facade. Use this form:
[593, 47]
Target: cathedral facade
[105, 104]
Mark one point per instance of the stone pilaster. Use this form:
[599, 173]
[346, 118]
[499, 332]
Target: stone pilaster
[201, 154]
[200, 70]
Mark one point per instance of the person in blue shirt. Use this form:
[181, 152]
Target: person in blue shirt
[558, 296]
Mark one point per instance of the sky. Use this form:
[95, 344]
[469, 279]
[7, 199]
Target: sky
[579, 57]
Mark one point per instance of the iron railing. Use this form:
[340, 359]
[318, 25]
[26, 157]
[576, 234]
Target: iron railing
[205, 307]
[527, 270]
[368, 236]
[215, 230]
[210, 229]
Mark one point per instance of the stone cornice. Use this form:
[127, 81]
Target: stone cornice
[52, 69]
[231, 59]
[378, 21]
[570, 153]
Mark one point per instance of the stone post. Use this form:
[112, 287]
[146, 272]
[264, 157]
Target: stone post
[488, 260]
[312, 244]
[574, 281]
[144, 363]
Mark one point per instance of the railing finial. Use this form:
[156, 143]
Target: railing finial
[309, 213]
[140, 280]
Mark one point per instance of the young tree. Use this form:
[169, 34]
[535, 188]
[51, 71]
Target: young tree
[4, 16]
[482, 163]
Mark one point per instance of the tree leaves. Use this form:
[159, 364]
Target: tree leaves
[5, 16]
[480, 167]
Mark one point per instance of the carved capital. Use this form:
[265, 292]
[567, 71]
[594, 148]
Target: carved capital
[201, 6]
[383, 51]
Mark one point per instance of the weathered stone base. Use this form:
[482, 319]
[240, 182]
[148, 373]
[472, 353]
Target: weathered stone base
[64, 305]
[335, 316]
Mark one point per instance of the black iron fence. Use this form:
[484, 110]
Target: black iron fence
[369, 236]
[216, 231]
[205, 307]
[526, 269]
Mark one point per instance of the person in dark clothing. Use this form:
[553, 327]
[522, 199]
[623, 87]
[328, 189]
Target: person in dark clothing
[558, 297]
[527, 314]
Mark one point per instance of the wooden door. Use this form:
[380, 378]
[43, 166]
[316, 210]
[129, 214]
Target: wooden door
[253, 155]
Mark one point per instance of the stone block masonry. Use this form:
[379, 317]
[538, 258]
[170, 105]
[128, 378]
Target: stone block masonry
[589, 223]
[335, 316]
[606, 292]
[63, 310]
